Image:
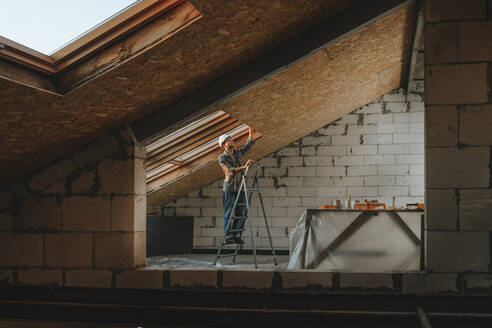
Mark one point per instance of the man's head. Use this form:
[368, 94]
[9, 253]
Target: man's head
[226, 142]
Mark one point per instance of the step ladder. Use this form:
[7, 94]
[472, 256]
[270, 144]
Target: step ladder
[229, 230]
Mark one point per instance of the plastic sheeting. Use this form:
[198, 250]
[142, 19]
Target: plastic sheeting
[340, 240]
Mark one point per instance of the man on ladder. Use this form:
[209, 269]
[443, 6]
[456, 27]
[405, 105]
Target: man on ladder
[231, 163]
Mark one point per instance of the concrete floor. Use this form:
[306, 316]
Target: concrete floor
[207, 261]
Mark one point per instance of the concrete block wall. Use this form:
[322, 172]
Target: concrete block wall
[458, 137]
[375, 152]
[77, 218]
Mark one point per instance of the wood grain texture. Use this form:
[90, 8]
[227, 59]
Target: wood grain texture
[314, 92]
[37, 127]
[25, 76]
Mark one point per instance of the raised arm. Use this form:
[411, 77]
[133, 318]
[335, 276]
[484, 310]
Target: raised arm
[243, 149]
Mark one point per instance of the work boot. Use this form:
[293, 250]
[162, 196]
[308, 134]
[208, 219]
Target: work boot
[238, 240]
[230, 240]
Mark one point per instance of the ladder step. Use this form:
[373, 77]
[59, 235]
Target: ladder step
[244, 202]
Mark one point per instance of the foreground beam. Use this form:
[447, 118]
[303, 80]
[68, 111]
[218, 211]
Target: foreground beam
[215, 308]
[265, 65]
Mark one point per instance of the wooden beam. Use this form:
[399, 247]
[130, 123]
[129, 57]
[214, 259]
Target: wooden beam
[266, 65]
[26, 76]
[26, 57]
[110, 31]
[167, 143]
[129, 46]
[189, 145]
[201, 160]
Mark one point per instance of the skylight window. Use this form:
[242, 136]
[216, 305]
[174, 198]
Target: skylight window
[194, 145]
[47, 26]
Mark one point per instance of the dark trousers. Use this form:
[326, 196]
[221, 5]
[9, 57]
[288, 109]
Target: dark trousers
[228, 199]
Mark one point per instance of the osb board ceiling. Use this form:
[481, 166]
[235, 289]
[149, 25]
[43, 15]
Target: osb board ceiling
[37, 127]
[314, 92]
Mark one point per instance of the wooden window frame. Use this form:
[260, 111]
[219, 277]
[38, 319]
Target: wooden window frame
[90, 42]
[178, 153]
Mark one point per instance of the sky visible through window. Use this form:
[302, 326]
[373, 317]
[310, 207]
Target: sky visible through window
[47, 25]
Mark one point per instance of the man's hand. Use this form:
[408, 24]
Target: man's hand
[248, 164]
[250, 132]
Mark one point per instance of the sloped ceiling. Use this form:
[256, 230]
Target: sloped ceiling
[323, 87]
[37, 127]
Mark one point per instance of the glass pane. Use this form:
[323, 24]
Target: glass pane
[47, 25]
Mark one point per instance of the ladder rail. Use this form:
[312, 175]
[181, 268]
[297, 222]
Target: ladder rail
[229, 222]
[248, 194]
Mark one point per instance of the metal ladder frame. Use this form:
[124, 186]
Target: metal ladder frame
[243, 188]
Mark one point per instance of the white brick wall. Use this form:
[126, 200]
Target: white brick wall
[382, 158]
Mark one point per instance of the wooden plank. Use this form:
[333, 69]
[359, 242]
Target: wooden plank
[198, 155]
[192, 135]
[182, 149]
[89, 43]
[131, 45]
[169, 138]
[112, 35]
[397, 218]
[344, 235]
[115, 26]
[25, 57]
[197, 162]
[26, 51]
[27, 77]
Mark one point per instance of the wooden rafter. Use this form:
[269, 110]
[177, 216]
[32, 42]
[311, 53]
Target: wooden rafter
[195, 163]
[191, 143]
[168, 143]
[110, 31]
[190, 162]
[17, 53]
[181, 150]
